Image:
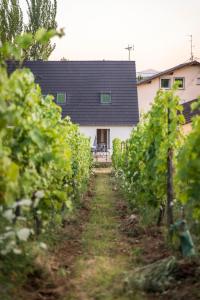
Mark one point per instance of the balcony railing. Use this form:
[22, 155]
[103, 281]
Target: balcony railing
[101, 153]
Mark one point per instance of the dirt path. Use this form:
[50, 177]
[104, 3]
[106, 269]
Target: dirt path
[97, 248]
[100, 270]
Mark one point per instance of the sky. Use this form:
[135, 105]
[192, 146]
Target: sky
[102, 29]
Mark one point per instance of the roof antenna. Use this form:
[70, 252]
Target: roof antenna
[129, 48]
[191, 48]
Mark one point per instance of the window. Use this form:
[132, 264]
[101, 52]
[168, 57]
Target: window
[198, 80]
[165, 83]
[181, 81]
[61, 98]
[105, 98]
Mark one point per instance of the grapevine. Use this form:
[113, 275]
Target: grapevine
[188, 170]
[45, 161]
[141, 165]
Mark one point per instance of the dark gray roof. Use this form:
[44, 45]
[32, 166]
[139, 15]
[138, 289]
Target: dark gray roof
[187, 111]
[83, 81]
[168, 71]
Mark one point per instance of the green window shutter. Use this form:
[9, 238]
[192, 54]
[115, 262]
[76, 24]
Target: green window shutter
[61, 98]
[105, 98]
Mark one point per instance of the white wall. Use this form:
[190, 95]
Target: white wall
[147, 91]
[121, 132]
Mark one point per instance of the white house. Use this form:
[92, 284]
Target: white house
[100, 96]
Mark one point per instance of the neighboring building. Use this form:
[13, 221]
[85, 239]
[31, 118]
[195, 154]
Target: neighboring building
[142, 75]
[100, 96]
[188, 74]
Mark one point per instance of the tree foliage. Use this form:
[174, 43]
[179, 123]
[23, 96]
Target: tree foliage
[19, 49]
[11, 20]
[41, 14]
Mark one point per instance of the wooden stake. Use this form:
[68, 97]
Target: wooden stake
[170, 190]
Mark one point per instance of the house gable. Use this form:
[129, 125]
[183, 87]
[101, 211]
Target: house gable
[188, 72]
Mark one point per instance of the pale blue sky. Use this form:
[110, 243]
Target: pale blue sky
[101, 29]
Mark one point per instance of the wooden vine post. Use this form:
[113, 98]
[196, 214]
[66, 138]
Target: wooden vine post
[170, 189]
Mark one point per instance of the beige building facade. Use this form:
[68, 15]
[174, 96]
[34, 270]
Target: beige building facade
[188, 76]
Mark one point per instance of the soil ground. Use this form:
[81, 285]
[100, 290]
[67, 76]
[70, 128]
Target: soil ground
[97, 248]
[99, 271]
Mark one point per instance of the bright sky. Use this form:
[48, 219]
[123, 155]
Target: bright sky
[101, 29]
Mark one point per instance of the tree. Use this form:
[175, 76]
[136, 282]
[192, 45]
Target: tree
[41, 14]
[64, 59]
[11, 20]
